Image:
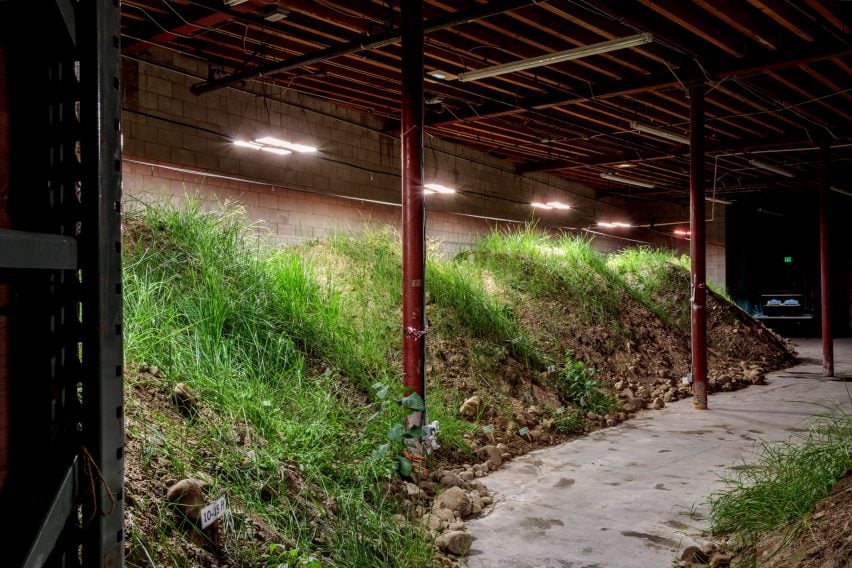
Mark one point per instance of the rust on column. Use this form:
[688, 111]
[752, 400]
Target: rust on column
[413, 207]
[824, 269]
[4, 290]
[697, 246]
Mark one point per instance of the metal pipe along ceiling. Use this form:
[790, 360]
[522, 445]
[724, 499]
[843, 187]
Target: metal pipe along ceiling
[363, 44]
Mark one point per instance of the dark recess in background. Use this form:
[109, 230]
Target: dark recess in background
[762, 230]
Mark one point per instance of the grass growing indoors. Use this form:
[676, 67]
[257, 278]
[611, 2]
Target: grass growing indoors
[279, 373]
[785, 485]
[272, 377]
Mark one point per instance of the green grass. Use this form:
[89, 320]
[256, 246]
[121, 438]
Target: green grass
[267, 345]
[659, 277]
[458, 287]
[788, 481]
[567, 268]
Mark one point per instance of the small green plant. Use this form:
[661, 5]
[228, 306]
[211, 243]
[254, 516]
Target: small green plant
[283, 557]
[398, 436]
[567, 420]
[575, 383]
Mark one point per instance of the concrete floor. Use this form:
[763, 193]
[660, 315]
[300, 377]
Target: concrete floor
[635, 495]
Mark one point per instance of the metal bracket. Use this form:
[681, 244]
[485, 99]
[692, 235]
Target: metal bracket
[55, 518]
[20, 249]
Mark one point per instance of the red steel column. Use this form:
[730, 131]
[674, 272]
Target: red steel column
[825, 286]
[413, 206]
[697, 246]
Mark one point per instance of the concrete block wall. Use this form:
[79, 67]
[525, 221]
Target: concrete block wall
[290, 216]
[177, 144]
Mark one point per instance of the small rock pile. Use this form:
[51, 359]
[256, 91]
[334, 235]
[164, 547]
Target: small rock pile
[637, 395]
[448, 497]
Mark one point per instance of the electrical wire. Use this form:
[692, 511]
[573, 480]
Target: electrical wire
[154, 20]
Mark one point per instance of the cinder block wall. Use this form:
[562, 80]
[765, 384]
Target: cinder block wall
[178, 144]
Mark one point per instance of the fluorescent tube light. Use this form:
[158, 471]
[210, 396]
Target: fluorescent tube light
[719, 201]
[682, 232]
[274, 150]
[771, 212]
[841, 191]
[630, 181]
[558, 57]
[772, 168]
[271, 141]
[659, 133]
[437, 188]
[615, 225]
[541, 206]
[274, 13]
[234, 2]
[244, 144]
[557, 205]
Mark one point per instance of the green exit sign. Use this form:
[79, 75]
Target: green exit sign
[788, 259]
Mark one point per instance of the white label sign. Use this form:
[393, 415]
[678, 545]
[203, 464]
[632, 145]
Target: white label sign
[213, 511]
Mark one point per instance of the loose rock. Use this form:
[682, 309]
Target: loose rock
[451, 480]
[184, 398]
[454, 499]
[470, 407]
[433, 522]
[455, 542]
[188, 494]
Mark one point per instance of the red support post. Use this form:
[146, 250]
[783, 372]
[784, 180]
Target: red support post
[697, 246]
[825, 286]
[413, 207]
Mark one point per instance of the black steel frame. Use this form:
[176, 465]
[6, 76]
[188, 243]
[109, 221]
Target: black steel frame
[61, 260]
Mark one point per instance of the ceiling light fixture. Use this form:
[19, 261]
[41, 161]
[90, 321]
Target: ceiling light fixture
[615, 225]
[234, 2]
[274, 13]
[440, 75]
[841, 191]
[630, 181]
[430, 188]
[771, 212]
[659, 133]
[719, 201]
[625, 165]
[274, 150]
[772, 168]
[682, 232]
[558, 57]
[541, 205]
[244, 144]
[557, 205]
[271, 141]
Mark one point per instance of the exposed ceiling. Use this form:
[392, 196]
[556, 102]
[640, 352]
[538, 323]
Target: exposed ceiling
[777, 76]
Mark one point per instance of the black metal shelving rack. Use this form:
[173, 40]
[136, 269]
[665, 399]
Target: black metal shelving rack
[60, 274]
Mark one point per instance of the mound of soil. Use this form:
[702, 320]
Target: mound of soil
[737, 335]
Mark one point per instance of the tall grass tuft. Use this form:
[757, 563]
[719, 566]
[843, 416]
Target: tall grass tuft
[788, 481]
[536, 263]
[458, 286]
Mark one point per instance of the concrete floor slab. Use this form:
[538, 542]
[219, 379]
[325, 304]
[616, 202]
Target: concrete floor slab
[635, 495]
